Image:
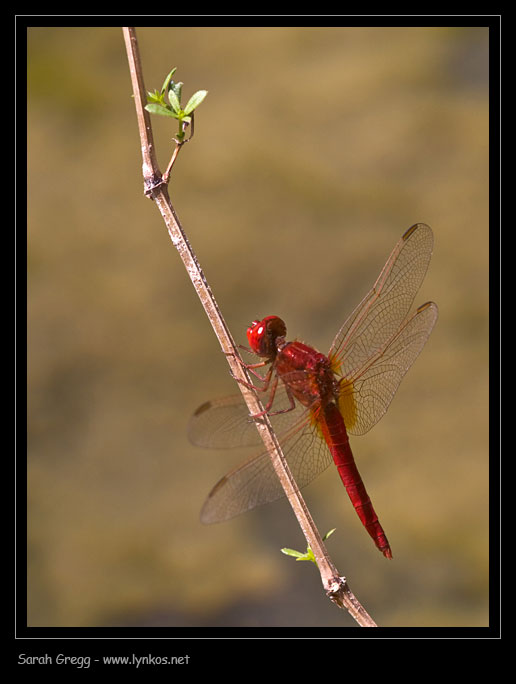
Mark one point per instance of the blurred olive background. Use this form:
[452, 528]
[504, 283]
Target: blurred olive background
[315, 149]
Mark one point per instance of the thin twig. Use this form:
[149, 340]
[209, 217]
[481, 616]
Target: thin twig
[171, 163]
[335, 586]
[177, 150]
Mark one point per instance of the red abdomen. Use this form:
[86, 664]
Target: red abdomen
[334, 431]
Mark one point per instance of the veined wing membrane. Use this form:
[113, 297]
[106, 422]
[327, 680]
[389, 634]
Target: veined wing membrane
[255, 482]
[372, 388]
[380, 314]
[225, 423]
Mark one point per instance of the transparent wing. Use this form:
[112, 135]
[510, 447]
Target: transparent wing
[225, 423]
[380, 314]
[366, 395]
[255, 482]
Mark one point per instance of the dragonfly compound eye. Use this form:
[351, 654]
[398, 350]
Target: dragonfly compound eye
[262, 335]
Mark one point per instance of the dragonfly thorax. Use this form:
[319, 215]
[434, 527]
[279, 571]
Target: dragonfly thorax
[307, 373]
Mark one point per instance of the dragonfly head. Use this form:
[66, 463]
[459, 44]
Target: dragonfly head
[262, 335]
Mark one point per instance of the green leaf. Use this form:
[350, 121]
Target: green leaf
[195, 101]
[160, 109]
[309, 555]
[174, 101]
[292, 552]
[167, 81]
[176, 87]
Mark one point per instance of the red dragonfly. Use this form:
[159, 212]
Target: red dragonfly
[315, 400]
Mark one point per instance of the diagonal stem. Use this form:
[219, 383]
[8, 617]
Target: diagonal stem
[335, 586]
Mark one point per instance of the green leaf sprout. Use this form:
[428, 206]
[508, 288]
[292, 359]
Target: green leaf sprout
[171, 90]
[309, 555]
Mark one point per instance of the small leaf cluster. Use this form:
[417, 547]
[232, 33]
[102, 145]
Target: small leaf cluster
[157, 103]
[309, 555]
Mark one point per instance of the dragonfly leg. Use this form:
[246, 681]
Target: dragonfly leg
[267, 409]
[291, 406]
[271, 398]
[240, 346]
[250, 367]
